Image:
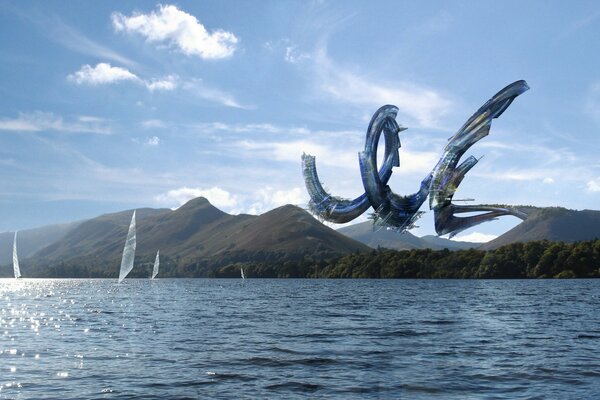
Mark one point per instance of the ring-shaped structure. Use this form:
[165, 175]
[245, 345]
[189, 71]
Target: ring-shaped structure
[339, 210]
[400, 212]
[391, 210]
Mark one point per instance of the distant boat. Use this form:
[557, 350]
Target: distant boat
[242, 271]
[16, 259]
[156, 265]
[128, 251]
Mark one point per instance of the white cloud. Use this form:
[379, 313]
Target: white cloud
[180, 30]
[268, 198]
[543, 175]
[546, 154]
[411, 162]
[152, 124]
[540, 163]
[522, 175]
[266, 128]
[106, 74]
[102, 73]
[90, 119]
[44, 121]
[292, 151]
[416, 162]
[76, 41]
[475, 237]
[218, 96]
[424, 105]
[167, 83]
[177, 197]
[255, 202]
[293, 55]
[215, 95]
[153, 141]
[594, 185]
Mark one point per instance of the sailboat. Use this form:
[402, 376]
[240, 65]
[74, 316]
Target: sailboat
[16, 259]
[242, 271]
[156, 265]
[128, 251]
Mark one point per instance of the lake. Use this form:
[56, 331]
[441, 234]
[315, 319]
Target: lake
[262, 338]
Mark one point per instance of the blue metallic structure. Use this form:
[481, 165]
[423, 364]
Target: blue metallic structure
[400, 212]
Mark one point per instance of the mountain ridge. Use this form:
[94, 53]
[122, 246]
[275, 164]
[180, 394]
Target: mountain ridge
[196, 235]
[375, 238]
[554, 224]
[32, 240]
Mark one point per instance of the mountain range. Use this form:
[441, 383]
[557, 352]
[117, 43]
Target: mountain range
[193, 236]
[554, 224]
[32, 240]
[549, 223]
[373, 237]
[198, 236]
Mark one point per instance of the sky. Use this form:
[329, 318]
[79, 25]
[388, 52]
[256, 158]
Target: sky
[114, 105]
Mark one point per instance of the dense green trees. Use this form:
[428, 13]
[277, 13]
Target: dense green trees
[542, 259]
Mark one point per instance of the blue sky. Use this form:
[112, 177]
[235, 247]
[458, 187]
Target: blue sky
[112, 105]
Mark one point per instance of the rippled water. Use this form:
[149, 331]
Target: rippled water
[299, 339]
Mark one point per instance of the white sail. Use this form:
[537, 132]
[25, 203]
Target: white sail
[156, 265]
[16, 259]
[128, 251]
[242, 271]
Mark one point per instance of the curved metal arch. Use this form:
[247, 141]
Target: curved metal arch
[339, 210]
[447, 175]
[400, 212]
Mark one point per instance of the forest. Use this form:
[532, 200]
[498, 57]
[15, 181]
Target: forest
[540, 259]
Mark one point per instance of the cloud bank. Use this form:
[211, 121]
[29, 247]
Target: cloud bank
[178, 30]
[422, 104]
[101, 74]
[106, 74]
[44, 121]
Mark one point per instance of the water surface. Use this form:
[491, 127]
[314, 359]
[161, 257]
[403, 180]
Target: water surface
[210, 338]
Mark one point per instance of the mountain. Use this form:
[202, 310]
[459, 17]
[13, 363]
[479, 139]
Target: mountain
[432, 241]
[552, 223]
[364, 233]
[291, 229]
[30, 241]
[197, 236]
[97, 237]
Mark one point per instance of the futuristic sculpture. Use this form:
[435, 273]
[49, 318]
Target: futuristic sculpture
[400, 212]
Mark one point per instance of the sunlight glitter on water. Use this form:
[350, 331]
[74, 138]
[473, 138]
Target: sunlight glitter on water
[299, 339]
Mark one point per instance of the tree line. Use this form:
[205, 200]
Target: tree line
[540, 259]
